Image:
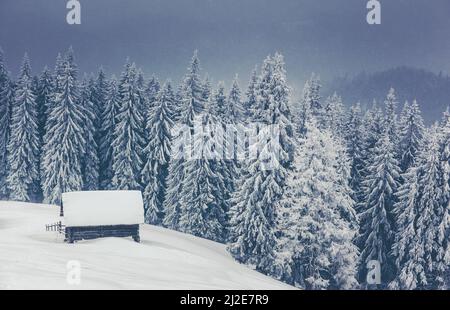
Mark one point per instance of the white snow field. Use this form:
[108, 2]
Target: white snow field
[31, 258]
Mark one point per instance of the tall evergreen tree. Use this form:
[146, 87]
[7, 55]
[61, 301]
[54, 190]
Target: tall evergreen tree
[253, 214]
[90, 161]
[310, 105]
[391, 122]
[422, 216]
[152, 91]
[202, 195]
[108, 120]
[334, 117]
[316, 249]
[411, 131]
[99, 93]
[354, 140]
[128, 131]
[44, 96]
[23, 147]
[157, 152]
[6, 99]
[407, 249]
[433, 219]
[64, 138]
[250, 103]
[376, 218]
[192, 103]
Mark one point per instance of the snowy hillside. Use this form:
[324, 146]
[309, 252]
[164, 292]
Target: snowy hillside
[31, 258]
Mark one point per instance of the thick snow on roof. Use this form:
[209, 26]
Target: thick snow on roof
[103, 208]
[31, 258]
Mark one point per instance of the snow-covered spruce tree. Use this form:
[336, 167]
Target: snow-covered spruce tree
[334, 116]
[235, 109]
[152, 91]
[249, 105]
[143, 97]
[98, 87]
[262, 182]
[64, 137]
[353, 133]
[202, 194]
[411, 131]
[227, 113]
[422, 217]
[224, 168]
[44, 96]
[318, 221]
[376, 218]
[234, 119]
[407, 248]
[433, 218]
[23, 146]
[6, 99]
[310, 105]
[390, 121]
[369, 134]
[108, 116]
[441, 269]
[207, 88]
[218, 101]
[128, 140]
[157, 152]
[191, 102]
[90, 161]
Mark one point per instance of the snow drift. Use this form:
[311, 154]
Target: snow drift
[31, 258]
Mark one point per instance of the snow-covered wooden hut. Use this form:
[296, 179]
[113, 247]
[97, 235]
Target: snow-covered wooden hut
[98, 214]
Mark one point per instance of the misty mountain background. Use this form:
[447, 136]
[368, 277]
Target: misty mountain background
[431, 90]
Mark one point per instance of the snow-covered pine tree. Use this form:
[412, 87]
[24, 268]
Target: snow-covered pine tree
[235, 109]
[90, 161]
[253, 214]
[310, 105]
[207, 88]
[390, 121]
[202, 194]
[157, 152]
[128, 131]
[334, 116]
[218, 102]
[407, 248]
[44, 96]
[376, 218]
[318, 221]
[6, 99]
[353, 133]
[99, 92]
[64, 138]
[191, 102]
[250, 103]
[423, 218]
[369, 134]
[411, 131]
[234, 120]
[108, 122]
[152, 91]
[23, 146]
[432, 213]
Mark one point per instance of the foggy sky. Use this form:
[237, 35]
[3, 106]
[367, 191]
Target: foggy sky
[329, 37]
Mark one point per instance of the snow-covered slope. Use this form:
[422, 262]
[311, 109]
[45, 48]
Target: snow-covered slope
[31, 258]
